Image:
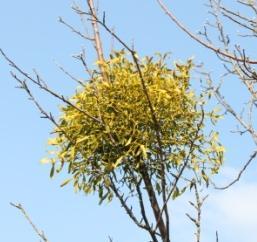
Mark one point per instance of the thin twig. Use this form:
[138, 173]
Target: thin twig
[198, 207]
[74, 30]
[38, 82]
[199, 40]
[70, 75]
[239, 174]
[128, 210]
[41, 234]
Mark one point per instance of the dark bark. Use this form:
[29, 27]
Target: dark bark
[154, 203]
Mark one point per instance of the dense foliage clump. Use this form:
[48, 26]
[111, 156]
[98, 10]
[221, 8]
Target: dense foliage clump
[110, 136]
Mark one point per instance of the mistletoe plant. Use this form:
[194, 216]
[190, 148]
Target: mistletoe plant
[128, 133]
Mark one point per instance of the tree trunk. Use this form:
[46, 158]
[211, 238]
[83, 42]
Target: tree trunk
[154, 204]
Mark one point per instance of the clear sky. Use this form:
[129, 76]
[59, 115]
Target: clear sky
[32, 36]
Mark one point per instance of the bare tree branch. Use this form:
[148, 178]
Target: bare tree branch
[198, 207]
[42, 85]
[41, 234]
[98, 42]
[143, 212]
[128, 210]
[199, 40]
[82, 58]
[75, 30]
[242, 170]
[70, 75]
[217, 236]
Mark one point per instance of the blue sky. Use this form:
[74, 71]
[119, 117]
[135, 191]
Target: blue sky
[32, 36]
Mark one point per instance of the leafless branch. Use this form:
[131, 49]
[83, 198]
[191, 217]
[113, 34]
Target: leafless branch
[75, 30]
[237, 15]
[199, 40]
[38, 82]
[198, 207]
[242, 170]
[70, 75]
[128, 210]
[98, 42]
[97, 38]
[45, 114]
[41, 234]
[217, 236]
[143, 212]
[82, 58]
[110, 239]
[229, 109]
[154, 203]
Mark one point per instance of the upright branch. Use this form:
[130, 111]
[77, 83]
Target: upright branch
[197, 205]
[97, 38]
[154, 204]
[143, 211]
[182, 169]
[164, 229]
[217, 236]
